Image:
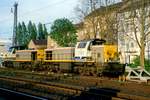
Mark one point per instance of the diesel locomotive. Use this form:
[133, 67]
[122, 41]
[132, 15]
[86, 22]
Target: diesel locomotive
[88, 57]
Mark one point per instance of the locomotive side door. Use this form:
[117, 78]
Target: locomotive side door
[97, 54]
[33, 55]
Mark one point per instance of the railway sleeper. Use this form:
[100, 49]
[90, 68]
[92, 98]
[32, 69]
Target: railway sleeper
[132, 97]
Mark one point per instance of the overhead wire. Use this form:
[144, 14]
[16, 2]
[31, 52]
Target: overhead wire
[50, 5]
[33, 11]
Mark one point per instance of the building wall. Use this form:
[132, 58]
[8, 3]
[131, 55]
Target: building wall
[127, 46]
[127, 43]
[98, 26]
[51, 43]
[31, 45]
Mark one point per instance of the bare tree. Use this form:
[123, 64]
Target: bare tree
[108, 21]
[83, 10]
[138, 20]
[100, 18]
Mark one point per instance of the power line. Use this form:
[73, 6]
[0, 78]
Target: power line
[50, 5]
[33, 11]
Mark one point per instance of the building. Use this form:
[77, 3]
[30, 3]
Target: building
[130, 30]
[37, 44]
[51, 43]
[101, 23]
[80, 31]
[42, 44]
[114, 25]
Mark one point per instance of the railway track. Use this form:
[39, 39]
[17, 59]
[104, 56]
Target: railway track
[39, 76]
[69, 93]
[55, 90]
[58, 91]
[14, 94]
[77, 87]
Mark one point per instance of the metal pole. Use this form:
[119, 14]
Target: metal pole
[14, 43]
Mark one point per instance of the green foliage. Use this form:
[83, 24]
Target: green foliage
[45, 31]
[136, 62]
[19, 34]
[26, 33]
[22, 34]
[32, 31]
[40, 32]
[64, 32]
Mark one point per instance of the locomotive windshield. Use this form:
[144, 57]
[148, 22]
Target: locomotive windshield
[82, 45]
[14, 48]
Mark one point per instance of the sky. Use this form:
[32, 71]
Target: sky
[44, 11]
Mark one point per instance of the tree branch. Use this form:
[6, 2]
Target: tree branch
[146, 34]
[147, 41]
[135, 33]
[130, 37]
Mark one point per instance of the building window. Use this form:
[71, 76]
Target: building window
[127, 45]
[132, 45]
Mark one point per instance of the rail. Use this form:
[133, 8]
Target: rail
[24, 95]
[76, 85]
[48, 87]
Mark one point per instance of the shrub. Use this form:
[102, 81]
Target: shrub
[136, 62]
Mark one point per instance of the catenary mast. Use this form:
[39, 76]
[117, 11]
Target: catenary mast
[14, 40]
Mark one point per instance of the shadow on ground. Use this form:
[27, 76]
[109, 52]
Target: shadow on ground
[97, 94]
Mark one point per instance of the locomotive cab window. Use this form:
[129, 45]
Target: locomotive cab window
[48, 55]
[82, 45]
[14, 48]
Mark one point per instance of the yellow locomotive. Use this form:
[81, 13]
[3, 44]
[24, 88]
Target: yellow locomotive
[90, 57]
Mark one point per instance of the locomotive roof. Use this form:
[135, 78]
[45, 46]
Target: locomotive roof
[93, 40]
[27, 50]
[40, 42]
[61, 48]
[18, 47]
[101, 41]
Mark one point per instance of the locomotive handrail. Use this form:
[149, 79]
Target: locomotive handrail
[68, 61]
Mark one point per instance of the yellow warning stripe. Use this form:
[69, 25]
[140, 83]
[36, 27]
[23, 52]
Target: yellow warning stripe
[67, 61]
